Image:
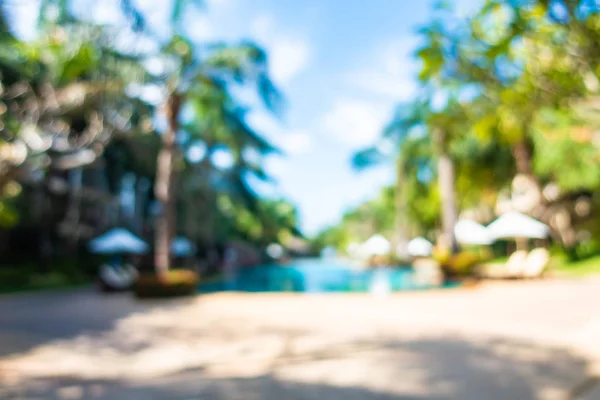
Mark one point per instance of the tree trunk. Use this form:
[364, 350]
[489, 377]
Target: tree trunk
[446, 185]
[401, 224]
[164, 187]
[522, 153]
[209, 201]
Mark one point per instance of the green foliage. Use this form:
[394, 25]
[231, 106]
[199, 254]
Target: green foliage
[78, 61]
[462, 263]
[567, 153]
[27, 276]
[586, 267]
[515, 75]
[338, 237]
[9, 216]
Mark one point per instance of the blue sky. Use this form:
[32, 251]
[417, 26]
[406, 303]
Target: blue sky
[342, 64]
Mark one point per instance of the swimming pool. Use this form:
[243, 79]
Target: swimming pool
[316, 276]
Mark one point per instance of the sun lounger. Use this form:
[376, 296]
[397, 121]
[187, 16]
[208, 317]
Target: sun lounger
[117, 278]
[536, 263]
[511, 269]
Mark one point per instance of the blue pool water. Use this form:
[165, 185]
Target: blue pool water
[315, 276]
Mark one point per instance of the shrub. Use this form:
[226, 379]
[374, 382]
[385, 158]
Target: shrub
[463, 262]
[460, 264]
[586, 249]
[441, 254]
[174, 283]
[49, 280]
[13, 278]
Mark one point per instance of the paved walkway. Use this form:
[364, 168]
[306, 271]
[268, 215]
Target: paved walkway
[520, 340]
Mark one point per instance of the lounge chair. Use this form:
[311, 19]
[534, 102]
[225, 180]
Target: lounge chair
[536, 263]
[113, 279]
[513, 268]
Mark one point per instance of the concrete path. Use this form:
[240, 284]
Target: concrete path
[520, 340]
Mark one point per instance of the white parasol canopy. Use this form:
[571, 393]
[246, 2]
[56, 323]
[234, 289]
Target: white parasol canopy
[376, 245]
[517, 225]
[275, 250]
[470, 232]
[420, 247]
[118, 240]
[181, 246]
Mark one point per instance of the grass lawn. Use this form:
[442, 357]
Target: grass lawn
[32, 289]
[589, 266]
[23, 279]
[563, 267]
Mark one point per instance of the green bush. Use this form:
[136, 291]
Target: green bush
[586, 249]
[52, 279]
[175, 283]
[462, 263]
[27, 277]
[13, 278]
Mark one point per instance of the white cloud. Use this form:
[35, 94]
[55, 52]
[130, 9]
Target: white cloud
[296, 142]
[391, 74]
[289, 53]
[264, 124]
[262, 25]
[292, 142]
[355, 122]
[383, 85]
[216, 3]
[198, 25]
[289, 56]
[386, 77]
[276, 166]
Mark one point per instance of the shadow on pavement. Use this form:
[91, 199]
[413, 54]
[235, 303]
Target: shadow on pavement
[443, 367]
[30, 320]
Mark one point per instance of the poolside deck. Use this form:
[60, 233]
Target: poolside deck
[516, 340]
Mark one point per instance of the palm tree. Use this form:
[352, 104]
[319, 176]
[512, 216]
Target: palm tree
[418, 120]
[218, 124]
[203, 84]
[66, 94]
[194, 72]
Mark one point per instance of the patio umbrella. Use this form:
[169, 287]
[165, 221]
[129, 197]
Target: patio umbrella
[420, 247]
[514, 225]
[376, 245]
[275, 250]
[118, 241]
[182, 247]
[470, 232]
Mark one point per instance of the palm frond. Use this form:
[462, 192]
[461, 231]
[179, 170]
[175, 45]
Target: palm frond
[367, 158]
[244, 136]
[244, 63]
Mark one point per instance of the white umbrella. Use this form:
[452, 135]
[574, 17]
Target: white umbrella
[470, 232]
[420, 247]
[182, 247]
[376, 245]
[275, 250]
[118, 240]
[517, 225]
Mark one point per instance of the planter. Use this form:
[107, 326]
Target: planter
[176, 283]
